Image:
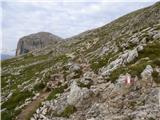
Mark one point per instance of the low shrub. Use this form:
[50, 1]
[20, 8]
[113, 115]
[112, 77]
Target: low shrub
[116, 73]
[100, 62]
[56, 91]
[39, 86]
[16, 99]
[156, 77]
[70, 109]
[156, 62]
[7, 115]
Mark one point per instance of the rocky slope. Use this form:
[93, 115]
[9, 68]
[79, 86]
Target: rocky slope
[109, 73]
[36, 41]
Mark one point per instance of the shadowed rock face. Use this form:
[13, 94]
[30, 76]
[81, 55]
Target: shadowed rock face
[36, 41]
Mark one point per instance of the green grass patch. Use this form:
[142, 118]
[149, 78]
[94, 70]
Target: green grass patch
[56, 91]
[116, 73]
[7, 115]
[39, 86]
[17, 98]
[156, 77]
[70, 109]
[151, 50]
[133, 69]
[136, 67]
[26, 74]
[98, 63]
[156, 62]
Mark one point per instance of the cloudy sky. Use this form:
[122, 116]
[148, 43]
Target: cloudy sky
[65, 18]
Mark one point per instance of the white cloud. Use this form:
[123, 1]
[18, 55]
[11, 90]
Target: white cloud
[49, 1]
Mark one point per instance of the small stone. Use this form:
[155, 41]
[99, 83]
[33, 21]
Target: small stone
[140, 48]
[156, 36]
[44, 111]
[38, 111]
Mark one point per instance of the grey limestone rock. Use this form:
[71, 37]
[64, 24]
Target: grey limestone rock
[36, 41]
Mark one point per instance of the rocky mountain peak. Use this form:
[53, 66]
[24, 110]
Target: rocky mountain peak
[36, 41]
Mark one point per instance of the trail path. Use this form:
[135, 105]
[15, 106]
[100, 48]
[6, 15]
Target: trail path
[31, 107]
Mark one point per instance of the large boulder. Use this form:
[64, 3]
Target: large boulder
[75, 71]
[127, 57]
[75, 94]
[36, 41]
[79, 97]
[131, 55]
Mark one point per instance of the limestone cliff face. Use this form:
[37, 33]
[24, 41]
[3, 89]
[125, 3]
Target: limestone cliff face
[36, 41]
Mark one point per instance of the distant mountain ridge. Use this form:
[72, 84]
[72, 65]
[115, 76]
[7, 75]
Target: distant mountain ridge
[5, 56]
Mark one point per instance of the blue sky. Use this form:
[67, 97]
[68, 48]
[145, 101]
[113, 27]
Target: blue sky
[65, 18]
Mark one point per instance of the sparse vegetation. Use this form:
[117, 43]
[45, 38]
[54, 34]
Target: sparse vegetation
[7, 115]
[17, 98]
[56, 91]
[137, 69]
[70, 109]
[116, 73]
[100, 62]
[80, 84]
[133, 69]
[151, 118]
[26, 74]
[78, 74]
[151, 50]
[39, 86]
[156, 77]
[156, 62]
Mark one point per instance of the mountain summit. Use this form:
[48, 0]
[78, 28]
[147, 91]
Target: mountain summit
[36, 41]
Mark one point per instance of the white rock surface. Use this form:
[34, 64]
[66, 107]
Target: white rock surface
[126, 57]
[75, 94]
[79, 97]
[147, 73]
[132, 55]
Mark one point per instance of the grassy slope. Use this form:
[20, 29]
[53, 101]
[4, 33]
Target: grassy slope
[26, 74]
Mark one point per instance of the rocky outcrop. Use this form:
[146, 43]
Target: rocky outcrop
[79, 97]
[36, 41]
[147, 73]
[126, 57]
